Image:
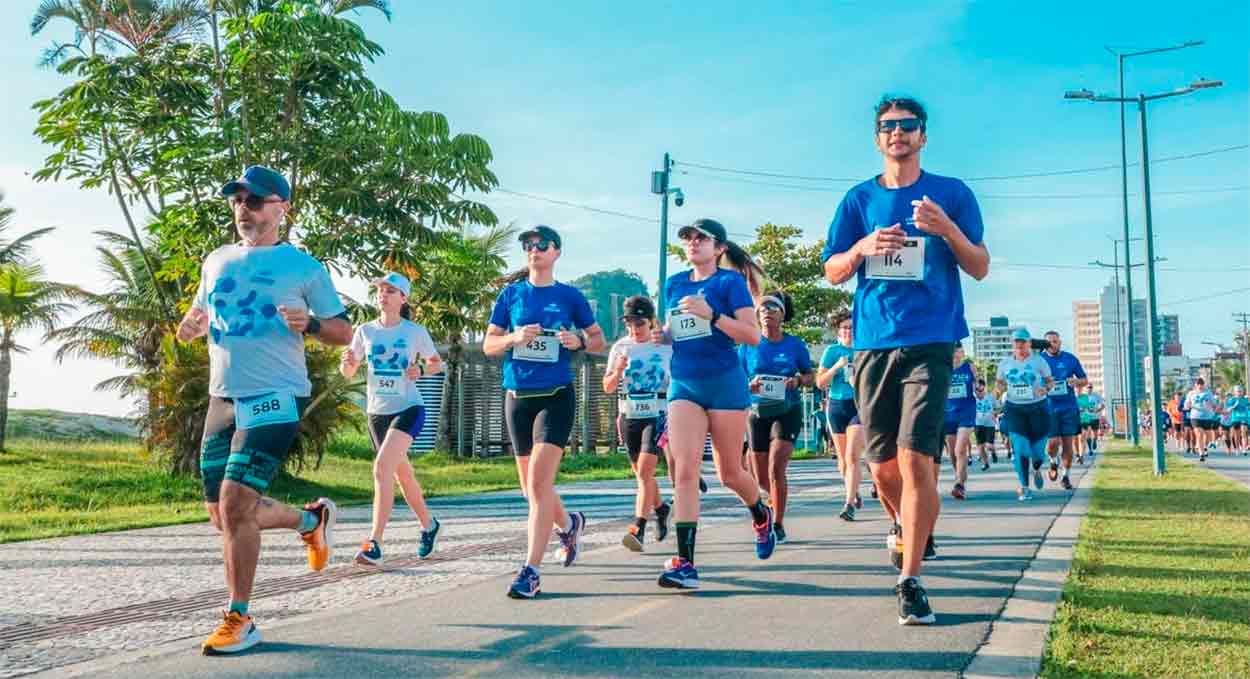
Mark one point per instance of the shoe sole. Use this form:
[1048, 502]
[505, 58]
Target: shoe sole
[669, 583]
[248, 641]
[846, 517]
[327, 529]
[631, 542]
[366, 561]
[912, 620]
[570, 555]
[513, 594]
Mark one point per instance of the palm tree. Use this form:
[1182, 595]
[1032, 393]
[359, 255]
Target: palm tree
[1227, 373]
[16, 250]
[27, 301]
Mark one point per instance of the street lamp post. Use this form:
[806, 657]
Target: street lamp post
[659, 185]
[1156, 402]
[1125, 380]
[1128, 274]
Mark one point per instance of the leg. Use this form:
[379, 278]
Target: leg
[648, 489]
[413, 494]
[919, 503]
[1022, 460]
[543, 465]
[778, 462]
[687, 430]
[854, 447]
[889, 486]
[391, 453]
[963, 447]
[727, 428]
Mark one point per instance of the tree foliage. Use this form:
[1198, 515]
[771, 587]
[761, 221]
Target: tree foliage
[599, 288]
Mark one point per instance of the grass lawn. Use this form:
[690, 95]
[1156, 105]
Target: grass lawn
[1160, 583]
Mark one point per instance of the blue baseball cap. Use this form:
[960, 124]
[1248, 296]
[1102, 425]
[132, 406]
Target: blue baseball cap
[395, 280]
[259, 181]
[1021, 334]
[542, 231]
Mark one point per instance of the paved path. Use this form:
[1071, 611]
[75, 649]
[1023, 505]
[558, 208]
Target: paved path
[823, 605]
[1235, 467]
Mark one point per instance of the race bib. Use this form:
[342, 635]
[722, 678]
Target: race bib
[544, 348]
[1060, 389]
[957, 390]
[276, 407]
[906, 264]
[641, 406]
[386, 382]
[687, 326]
[772, 387]
[1020, 392]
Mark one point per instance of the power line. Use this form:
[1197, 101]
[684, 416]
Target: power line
[1203, 298]
[1029, 175]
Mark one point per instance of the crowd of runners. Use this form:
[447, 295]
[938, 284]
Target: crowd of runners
[713, 361]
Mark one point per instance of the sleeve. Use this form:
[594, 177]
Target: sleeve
[804, 356]
[1043, 368]
[583, 317]
[1080, 371]
[742, 360]
[425, 343]
[500, 316]
[614, 354]
[357, 347]
[200, 301]
[738, 295]
[827, 359]
[845, 230]
[968, 218]
[322, 299]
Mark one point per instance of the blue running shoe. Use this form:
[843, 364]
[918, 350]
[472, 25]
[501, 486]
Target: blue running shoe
[526, 584]
[679, 574]
[570, 542]
[1037, 479]
[429, 538]
[370, 553]
[765, 536]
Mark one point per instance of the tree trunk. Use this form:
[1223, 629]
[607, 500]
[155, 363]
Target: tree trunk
[134, 232]
[447, 428]
[6, 366]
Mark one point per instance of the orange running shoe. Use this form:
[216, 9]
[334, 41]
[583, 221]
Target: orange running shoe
[236, 633]
[319, 541]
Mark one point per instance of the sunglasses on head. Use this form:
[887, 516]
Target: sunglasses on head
[541, 245]
[906, 124]
[253, 202]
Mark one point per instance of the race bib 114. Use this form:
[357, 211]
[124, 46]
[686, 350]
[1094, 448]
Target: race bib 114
[905, 264]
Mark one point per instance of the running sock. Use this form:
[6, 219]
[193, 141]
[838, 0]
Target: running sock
[662, 509]
[641, 524]
[239, 607]
[685, 539]
[758, 513]
[308, 521]
[902, 577]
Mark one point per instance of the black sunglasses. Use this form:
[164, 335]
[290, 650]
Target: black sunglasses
[253, 202]
[541, 245]
[906, 124]
[695, 237]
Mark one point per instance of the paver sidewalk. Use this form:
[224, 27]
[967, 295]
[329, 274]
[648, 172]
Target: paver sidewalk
[822, 606]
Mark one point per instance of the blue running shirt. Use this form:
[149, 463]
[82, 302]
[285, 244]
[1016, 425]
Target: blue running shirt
[785, 358]
[891, 313]
[1062, 366]
[554, 307]
[725, 291]
[962, 397]
[840, 387]
[1023, 378]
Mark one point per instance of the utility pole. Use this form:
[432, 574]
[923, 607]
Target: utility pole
[1245, 340]
[660, 185]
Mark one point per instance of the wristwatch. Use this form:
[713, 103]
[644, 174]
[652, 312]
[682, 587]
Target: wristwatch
[314, 327]
[715, 317]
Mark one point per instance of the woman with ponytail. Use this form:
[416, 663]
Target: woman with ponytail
[710, 310]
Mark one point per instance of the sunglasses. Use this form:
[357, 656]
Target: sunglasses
[906, 124]
[540, 245]
[253, 202]
[635, 321]
[695, 237]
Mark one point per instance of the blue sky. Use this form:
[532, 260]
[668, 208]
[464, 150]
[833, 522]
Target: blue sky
[579, 103]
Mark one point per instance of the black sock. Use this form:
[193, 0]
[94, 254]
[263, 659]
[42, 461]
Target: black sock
[685, 539]
[641, 524]
[758, 512]
[662, 511]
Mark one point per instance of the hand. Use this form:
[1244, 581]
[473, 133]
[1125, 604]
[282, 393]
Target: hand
[622, 362]
[525, 334]
[696, 305]
[296, 319]
[434, 365]
[194, 324]
[755, 385]
[792, 383]
[931, 218]
[1071, 381]
[1040, 391]
[570, 340]
[842, 363]
[882, 241]
[658, 336]
[348, 361]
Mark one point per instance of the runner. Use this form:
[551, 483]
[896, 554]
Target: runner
[1024, 378]
[1203, 416]
[638, 373]
[1178, 421]
[1239, 406]
[1065, 416]
[847, 434]
[1226, 422]
[1091, 406]
[960, 418]
[256, 301]
[776, 368]
[1002, 431]
[710, 309]
[1188, 432]
[905, 235]
[534, 327]
[399, 351]
[987, 424]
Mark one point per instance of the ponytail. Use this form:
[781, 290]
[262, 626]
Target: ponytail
[741, 261]
[405, 311]
[514, 277]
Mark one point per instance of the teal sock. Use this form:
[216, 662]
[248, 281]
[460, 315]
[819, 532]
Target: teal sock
[308, 521]
[239, 607]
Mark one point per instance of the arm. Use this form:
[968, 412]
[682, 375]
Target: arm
[594, 340]
[824, 376]
[335, 332]
[497, 340]
[932, 219]
[741, 327]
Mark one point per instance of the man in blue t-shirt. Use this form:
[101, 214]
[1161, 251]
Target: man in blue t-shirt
[1065, 414]
[904, 235]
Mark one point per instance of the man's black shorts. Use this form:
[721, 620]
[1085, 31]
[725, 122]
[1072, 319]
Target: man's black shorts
[901, 396]
[985, 434]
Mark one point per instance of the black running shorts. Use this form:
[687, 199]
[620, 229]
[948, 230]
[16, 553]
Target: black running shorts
[409, 421]
[640, 436]
[251, 457]
[901, 396]
[762, 429]
[546, 418]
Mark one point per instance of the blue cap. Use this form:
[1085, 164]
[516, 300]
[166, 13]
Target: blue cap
[259, 181]
[542, 231]
[1021, 334]
[395, 280]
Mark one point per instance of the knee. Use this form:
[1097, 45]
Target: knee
[237, 506]
[214, 514]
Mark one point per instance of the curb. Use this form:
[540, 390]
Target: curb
[1016, 641]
